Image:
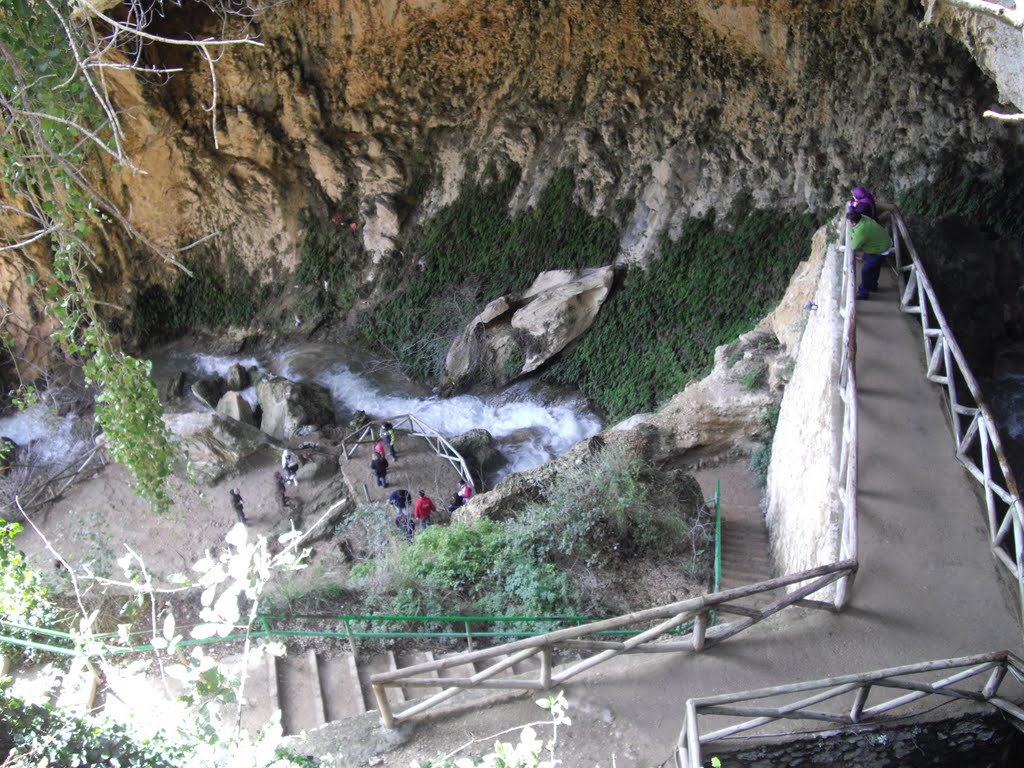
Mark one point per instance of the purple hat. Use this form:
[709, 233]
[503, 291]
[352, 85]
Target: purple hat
[859, 193]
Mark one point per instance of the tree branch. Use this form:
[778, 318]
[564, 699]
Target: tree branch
[1012, 16]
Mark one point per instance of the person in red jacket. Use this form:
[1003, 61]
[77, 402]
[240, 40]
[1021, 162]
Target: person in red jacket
[423, 509]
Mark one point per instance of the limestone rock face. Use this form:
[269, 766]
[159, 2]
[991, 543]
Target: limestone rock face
[215, 444]
[378, 112]
[514, 336]
[236, 407]
[289, 405]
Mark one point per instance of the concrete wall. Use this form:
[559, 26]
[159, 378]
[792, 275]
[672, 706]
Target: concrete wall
[802, 504]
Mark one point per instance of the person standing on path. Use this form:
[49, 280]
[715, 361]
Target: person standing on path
[400, 499]
[423, 510]
[290, 465]
[861, 201]
[465, 491]
[239, 505]
[868, 236]
[379, 466]
[387, 437]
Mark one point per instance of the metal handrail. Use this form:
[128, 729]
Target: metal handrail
[856, 688]
[416, 428]
[974, 428]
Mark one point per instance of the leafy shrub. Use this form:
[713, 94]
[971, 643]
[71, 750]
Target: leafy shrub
[42, 735]
[23, 598]
[992, 202]
[325, 252]
[212, 299]
[760, 460]
[599, 513]
[659, 330]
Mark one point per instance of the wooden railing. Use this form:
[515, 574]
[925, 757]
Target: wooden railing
[795, 589]
[854, 700]
[410, 425]
[978, 445]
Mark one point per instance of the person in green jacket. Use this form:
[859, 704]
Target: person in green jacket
[868, 236]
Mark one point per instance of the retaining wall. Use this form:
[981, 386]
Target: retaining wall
[803, 512]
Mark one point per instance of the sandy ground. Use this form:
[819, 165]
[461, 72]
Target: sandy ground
[96, 521]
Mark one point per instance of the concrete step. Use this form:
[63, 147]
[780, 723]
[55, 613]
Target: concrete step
[260, 699]
[339, 681]
[411, 659]
[372, 665]
[302, 703]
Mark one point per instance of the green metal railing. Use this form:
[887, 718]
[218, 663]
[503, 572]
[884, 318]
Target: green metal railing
[352, 627]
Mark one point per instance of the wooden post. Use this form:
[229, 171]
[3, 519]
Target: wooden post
[351, 639]
[545, 667]
[858, 703]
[692, 737]
[700, 626]
[384, 706]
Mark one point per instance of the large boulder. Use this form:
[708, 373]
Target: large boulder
[477, 448]
[514, 336]
[289, 405]
[236, 407]
[215, 444]
[237, 378]
[209, 391]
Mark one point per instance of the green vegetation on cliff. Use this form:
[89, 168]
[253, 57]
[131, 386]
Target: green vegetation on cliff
[475, 250]
[660, 329]
[991, 202]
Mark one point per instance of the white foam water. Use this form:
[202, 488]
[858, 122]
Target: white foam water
[528, 429]
[50, 440]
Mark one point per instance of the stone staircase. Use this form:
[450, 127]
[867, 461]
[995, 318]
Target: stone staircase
[310, 688]
[746, 554]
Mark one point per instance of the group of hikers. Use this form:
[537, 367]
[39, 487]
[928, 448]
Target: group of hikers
[423, 508]
[401, 499]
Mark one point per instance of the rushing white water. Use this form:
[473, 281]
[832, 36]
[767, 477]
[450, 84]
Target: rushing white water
[528, 428]
[530, 424]
[45, 439]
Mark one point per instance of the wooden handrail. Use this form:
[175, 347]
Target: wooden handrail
[669, 617]
[902, 678]
[946, 362]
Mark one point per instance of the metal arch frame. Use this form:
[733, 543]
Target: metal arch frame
[416, 428]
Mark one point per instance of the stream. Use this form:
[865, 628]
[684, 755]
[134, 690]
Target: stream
[531, 423]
